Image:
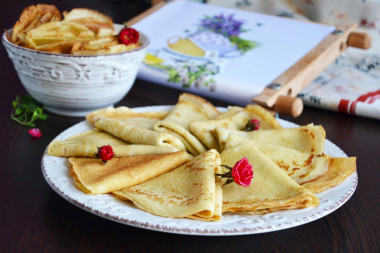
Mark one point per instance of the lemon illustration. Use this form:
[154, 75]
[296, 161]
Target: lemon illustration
[187, 47]
[152, 60]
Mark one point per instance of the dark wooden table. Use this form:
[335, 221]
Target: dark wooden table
[33, 218]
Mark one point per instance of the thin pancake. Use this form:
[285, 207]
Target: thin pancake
[123, 112]
[303, 168]
[86, 145]
[137, 131]
[231, 110]
[339, 169]
[307, 139]
[204, 130]
[93, 177]
[314, 172]
[188, 109]
[191, 191]
[270, 190]
[299, 166]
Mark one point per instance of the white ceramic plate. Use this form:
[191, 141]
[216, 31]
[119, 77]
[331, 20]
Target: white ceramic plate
[55, 171]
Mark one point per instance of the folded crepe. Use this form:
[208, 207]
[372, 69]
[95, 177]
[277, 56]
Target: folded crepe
[231, 110]
[233, 118]
[271, 189]
[93, 177]
[137, 130]
[188, 109]
[301, 167]
[123, 112]
[190, 191]
[316, 173]
[86, 145]
[307, 139]
[339, 169]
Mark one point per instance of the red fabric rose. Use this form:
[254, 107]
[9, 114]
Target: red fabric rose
[252, 124]
[242, 172]
[128, 36]
[105, 153]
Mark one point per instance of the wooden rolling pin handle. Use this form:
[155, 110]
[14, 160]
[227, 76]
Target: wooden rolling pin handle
[289, 105]
[359, 40]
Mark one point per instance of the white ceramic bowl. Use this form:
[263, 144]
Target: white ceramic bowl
[76, 85]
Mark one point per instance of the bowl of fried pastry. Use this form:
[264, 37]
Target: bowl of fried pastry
[73, 62]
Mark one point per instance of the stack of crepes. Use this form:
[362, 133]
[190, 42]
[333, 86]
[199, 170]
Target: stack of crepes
[166, 162]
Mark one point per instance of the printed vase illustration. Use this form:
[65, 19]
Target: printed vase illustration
[194, 59]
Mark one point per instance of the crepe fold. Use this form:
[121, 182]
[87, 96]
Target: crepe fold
[314, 172]
[86, 145]
[339, 169]
[234, 118]
[123, 112]
[188, 109]
[190, 191]
[307, 139]
[93, 177]
[271, 188]
[299, 166]
[137, 131]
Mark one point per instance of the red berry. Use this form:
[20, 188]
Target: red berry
[128, 36]
[105, 153]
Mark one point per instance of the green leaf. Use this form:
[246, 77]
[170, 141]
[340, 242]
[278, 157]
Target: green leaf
[26, 110]
[18, 111]
[243, 45]
[192, 79]
[30, 124]
[32, 107]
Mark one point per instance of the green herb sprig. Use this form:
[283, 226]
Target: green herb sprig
[242, 44]
[26, 110]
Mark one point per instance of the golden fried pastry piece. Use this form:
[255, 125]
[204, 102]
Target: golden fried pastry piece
[92, 19]
[57, 35]
[32, 17]
[81, 32]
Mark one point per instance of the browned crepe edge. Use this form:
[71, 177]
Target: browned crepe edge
[184, 97]
[123, 112]
[339, 169]
[263, 206]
